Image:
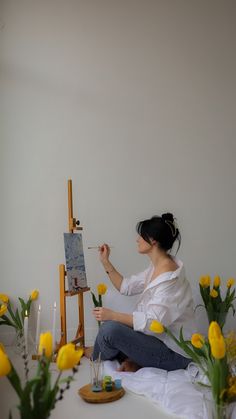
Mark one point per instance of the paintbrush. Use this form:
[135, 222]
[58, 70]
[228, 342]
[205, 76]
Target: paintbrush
[97, 247]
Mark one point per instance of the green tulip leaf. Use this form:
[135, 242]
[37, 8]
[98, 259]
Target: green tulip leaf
[95, 302]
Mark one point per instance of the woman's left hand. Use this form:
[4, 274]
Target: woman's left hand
[102, 314]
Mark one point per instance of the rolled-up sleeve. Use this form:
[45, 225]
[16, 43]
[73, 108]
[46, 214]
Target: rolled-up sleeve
[166, 306]
[139, 320]
[160, 312]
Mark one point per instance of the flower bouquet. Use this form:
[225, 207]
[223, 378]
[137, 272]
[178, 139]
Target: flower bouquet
[211, 357]
[101, 289]
[216, 306]
[15, 318]
[38, 395]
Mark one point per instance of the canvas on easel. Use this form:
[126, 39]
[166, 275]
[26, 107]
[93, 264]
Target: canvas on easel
[75, 265]
[65, 293]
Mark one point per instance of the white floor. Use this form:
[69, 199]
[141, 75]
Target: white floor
[73, 407]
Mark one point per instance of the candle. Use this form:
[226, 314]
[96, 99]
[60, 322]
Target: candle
[54, 325]
[26, 325]
[38, 328]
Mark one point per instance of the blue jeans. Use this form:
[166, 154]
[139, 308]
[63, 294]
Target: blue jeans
[116, 340]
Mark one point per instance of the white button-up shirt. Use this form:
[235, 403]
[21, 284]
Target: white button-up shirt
[167, 298]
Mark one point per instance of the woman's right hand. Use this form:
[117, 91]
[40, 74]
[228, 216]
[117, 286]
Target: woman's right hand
[104, 252]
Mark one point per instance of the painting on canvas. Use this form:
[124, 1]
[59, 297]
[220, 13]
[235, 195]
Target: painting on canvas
[75, 265]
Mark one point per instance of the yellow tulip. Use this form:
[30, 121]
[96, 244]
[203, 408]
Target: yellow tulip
[197, 340]
[216, 282]
[34, 295]
[156, 327]
[230, 282]
[202, 281]
[208, 280]
[213, 293]
[216, 340]
[3, 309]
[218, 347]
[4, 298]
[45, 344]
[102, 289]
[214, 331]
[205, 281]
[5, 365]
[68, 357]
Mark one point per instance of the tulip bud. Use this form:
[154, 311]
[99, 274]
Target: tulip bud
[216, 283]
[102, 289]
[4, 298]
[5, 365]
[197, 340]
[3, 309]
[230, 282]
[213, 293]
[45, 344]
[34, 295]
[68, 357]
[156, 327]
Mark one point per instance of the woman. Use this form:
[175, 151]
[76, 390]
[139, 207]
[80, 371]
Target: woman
[165, 295]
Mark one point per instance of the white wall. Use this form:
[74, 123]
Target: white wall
[135, 101]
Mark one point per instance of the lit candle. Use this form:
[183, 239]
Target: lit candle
[38, 328]
[54, 325]
[26, 325]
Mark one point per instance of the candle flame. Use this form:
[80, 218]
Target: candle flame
[55, 305]
[26, 313]
[39, 307]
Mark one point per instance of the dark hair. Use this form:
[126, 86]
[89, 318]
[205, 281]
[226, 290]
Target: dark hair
[162, 229]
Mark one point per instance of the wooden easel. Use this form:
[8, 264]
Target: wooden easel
[73, 225]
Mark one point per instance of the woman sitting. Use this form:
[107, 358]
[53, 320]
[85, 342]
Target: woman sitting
[165, 295]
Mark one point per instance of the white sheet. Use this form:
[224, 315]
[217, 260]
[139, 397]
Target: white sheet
[174, 390]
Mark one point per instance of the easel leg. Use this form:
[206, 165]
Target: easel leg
[81, 317]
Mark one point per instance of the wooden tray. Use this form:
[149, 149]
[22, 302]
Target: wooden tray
[101, 397]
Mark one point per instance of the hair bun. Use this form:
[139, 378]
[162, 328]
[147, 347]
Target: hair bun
[168, 217]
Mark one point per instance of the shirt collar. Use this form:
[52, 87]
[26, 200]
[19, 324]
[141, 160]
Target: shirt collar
[166, 276]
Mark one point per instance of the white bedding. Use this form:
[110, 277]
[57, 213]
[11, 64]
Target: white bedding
[173, 390]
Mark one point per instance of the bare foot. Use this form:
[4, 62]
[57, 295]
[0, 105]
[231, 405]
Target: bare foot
[88, 351]
[129, 366]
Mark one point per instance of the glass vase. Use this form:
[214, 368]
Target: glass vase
[216, 411]
[96, 374]
[18, 343]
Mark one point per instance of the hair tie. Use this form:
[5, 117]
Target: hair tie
[172, 226]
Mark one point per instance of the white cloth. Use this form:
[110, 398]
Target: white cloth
[167, 298]
[174, 390]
